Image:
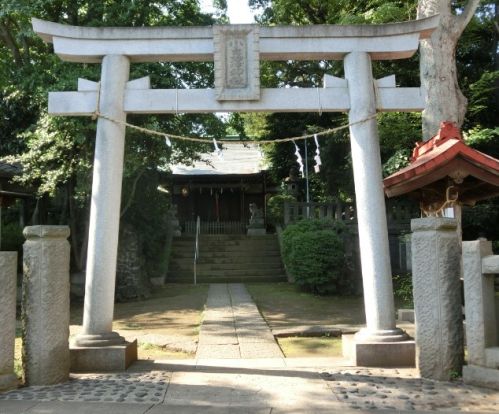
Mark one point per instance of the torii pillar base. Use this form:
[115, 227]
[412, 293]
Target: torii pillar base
[379, 354]
[103, 358]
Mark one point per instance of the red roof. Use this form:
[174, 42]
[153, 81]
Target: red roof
[443, 161]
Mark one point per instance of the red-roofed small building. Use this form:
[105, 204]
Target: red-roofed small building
[445, 168]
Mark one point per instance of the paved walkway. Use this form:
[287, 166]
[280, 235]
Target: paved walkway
[240, 369]
[233, 327]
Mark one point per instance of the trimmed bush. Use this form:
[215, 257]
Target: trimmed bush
[314, 254]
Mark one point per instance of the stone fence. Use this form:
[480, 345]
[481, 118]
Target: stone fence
[296, 210]
[398, 217]
[481, 309]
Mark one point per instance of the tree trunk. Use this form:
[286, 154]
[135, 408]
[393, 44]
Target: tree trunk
[444, 101]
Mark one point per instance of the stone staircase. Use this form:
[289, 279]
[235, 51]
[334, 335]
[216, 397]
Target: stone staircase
[227, 258]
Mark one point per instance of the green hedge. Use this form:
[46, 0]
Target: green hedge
[314, 254]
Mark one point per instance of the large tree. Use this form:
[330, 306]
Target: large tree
[445, 101]
[56, 152]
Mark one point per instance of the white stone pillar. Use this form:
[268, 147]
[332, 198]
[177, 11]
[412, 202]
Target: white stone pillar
[8, 282]
[45, 305]
[436, 265]
[105, 208]
[370, 199]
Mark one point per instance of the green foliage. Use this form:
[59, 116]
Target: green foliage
[146, 210]
[314, 254]
[485, 140]
[275, 208]
[12, 237]
[396, 162]
[402, 289]
[481, 220]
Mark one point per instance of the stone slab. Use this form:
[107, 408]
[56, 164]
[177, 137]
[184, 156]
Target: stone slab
[406, 315]
[103, 359]
[481, 376]
[256, 232]
[8, 279]
[492, 357]
[60, 407]
[379, 354]
[207, 409]
[249, 387]
[16, 407]
[218, 351]
[260, 350]
[8, 382]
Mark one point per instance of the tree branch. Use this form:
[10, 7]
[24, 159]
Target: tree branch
[132, 193]
[465, 17]
[8, 40]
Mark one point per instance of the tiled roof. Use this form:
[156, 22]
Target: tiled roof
[446, 157]
[236, 159]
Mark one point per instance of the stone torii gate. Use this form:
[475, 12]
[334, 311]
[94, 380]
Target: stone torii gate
[236, 51]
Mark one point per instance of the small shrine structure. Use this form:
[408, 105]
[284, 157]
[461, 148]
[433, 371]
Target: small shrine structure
[445, 169]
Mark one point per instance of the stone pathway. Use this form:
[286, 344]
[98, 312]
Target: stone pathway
[267, 385]
[233, 327]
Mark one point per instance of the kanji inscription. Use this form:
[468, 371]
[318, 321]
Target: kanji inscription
[237, 67]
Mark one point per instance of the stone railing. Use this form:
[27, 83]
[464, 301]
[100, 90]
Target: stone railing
[295, 210]
[398, 217]
[482, 336]
[216, 227]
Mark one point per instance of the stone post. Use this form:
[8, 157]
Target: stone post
[105, 208]
[436, 264]
[45, 305]
[8, 282]
[370, 199]
[479, 302]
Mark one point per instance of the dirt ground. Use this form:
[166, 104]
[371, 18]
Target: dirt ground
[166, 325]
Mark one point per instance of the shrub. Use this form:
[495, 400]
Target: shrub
[12, 237]
[275, 208]
[314, 254]
[402, 289]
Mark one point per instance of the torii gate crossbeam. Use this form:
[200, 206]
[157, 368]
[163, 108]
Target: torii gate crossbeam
[236, 51]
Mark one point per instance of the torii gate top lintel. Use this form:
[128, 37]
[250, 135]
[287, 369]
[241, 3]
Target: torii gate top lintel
[153, 44]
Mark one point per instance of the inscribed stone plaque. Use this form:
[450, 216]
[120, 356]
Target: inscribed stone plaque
[237, 66]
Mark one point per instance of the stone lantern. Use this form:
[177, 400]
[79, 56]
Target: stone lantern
[444, 172]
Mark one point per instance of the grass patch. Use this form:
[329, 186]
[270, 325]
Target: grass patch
[324, 346]
[151, 351]
[284, 305]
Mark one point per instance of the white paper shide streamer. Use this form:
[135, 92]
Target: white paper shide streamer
[168, 141]
[299, 159]
[317, 158]
[218, 151]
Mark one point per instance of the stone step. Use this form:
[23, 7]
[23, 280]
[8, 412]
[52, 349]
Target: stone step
[222, 279]
[232, 255]
[233, 258]
[229, 259]
[226, 237]
[226, 266]
[226, 273]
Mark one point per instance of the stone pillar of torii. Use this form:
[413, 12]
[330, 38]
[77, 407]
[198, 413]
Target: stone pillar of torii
[236, 51]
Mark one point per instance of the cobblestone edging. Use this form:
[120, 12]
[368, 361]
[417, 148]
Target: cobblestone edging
[375, 389]
[147, 387]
